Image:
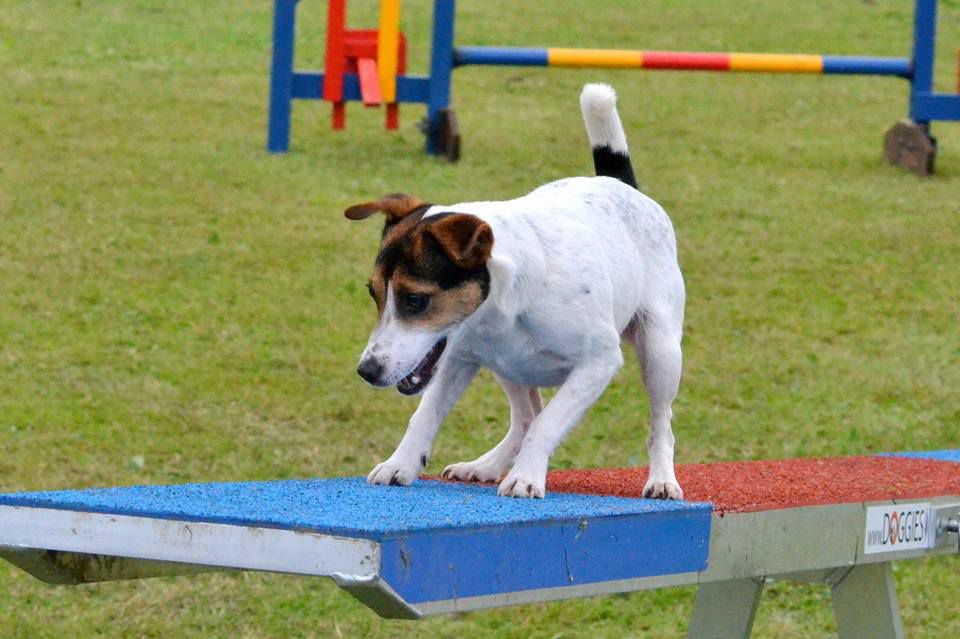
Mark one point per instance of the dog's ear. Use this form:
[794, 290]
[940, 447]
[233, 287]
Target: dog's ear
[467, 240]
[395, 206]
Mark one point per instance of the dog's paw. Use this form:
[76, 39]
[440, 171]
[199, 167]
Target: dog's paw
[480, 470]
[518, 484]
[394, 472]
[662, 489]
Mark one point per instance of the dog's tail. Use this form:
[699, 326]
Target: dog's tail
[598, 102]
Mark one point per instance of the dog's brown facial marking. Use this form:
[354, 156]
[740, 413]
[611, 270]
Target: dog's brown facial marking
[377, 288]
[435, 267]
[424, 305]
[437, 271]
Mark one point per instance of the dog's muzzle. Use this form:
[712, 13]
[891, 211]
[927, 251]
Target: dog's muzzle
[417, 380]
[372, 371]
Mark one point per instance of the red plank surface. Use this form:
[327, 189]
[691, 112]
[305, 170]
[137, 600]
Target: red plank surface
[770, 485]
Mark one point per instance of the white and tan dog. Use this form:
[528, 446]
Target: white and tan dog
[540, 290]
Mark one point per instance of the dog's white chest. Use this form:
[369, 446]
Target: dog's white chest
[514, 350]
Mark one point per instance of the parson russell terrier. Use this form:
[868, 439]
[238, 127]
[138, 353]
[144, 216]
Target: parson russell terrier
[540, 290]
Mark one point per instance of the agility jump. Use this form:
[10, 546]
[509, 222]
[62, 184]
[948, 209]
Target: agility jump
[908, 144]
[440, 547]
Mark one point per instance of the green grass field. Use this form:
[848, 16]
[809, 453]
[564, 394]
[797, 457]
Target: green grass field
[178, 305]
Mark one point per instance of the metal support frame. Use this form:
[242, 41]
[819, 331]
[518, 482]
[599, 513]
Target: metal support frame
[725, 609]
[865, 604]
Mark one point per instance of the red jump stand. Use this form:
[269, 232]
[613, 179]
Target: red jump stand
[356, 51]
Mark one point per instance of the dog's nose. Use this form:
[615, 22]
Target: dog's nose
[370, 370]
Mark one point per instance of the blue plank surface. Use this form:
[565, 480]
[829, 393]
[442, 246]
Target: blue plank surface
[344, 506]
[454, 564]
[949, 455]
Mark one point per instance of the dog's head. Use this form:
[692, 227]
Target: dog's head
[429, 276]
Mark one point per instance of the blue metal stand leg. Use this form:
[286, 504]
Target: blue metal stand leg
[909, 143]
[441, 68]
[926, 105]
[281, 75]
[924, 47]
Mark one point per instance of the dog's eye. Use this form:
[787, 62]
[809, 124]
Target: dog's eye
[415, 303]
[370, 289]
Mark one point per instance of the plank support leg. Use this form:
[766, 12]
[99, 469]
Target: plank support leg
[865, 604]
[725, 609]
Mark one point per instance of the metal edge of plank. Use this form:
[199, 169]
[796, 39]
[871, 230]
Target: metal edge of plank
[541, 595]
[64, 568]
[184, 542]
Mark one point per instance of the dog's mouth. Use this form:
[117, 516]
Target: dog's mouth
[423, 373]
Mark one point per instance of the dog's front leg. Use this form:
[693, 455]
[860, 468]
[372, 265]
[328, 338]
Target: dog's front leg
[525, 405]
[411, 456]
[583, 386]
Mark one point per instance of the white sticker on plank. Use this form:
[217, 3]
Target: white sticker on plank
[899, 527]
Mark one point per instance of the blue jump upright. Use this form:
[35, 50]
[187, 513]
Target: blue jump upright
[288, 84]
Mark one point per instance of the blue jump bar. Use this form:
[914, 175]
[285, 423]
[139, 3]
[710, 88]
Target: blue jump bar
[500, 56]
[853, 65]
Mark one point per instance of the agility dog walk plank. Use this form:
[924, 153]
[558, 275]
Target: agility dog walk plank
[440, 546]
[430, 542]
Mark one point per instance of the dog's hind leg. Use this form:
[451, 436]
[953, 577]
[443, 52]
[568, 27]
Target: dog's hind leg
[525, 405]
[656, 340]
